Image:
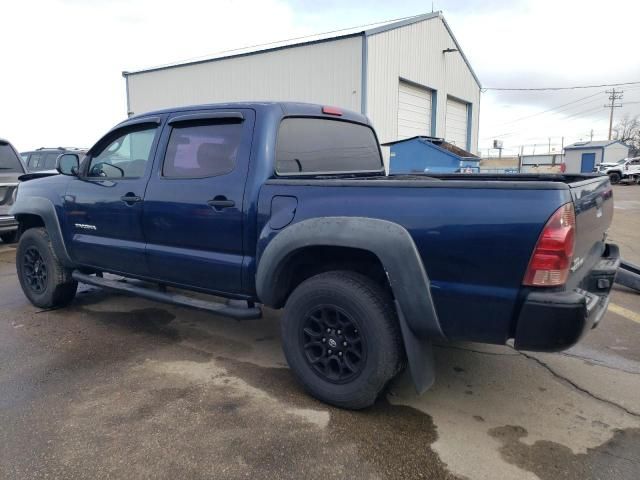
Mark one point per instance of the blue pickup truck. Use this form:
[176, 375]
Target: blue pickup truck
[287, 205]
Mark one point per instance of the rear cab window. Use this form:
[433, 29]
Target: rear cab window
[9, 160]
[319, 146]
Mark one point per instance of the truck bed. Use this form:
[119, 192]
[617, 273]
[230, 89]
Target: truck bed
[475, 233]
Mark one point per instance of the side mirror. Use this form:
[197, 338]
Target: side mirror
[68, 164]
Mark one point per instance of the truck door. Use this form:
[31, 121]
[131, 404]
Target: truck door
[103, 205]
[633, 167]
[193, 212]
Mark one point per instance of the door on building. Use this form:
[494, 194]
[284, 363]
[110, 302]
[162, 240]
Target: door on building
[414, 110]
[588, 162]
[456, 123]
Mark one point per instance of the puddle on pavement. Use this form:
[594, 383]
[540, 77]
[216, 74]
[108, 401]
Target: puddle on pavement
[153, 321]
[618, 458]
[395, 439]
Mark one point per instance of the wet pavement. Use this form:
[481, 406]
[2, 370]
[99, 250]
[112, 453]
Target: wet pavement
[120, 387]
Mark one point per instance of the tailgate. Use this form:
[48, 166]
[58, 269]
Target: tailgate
[593, 200]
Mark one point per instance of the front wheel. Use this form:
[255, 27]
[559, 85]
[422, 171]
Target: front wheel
[44, 281]
[341, 338]
[614, 177]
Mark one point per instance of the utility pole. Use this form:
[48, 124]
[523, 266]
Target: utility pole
[549, 145]
[613, 96]
[591, 135]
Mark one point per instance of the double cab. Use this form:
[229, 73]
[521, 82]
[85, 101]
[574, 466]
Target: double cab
[288, 205]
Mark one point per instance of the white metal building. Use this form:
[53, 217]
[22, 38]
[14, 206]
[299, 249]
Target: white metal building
[409, 76]
[582, 157]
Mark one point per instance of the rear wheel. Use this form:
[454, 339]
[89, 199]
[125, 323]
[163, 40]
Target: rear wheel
[614, 177]
[341, 338]
[44, 281]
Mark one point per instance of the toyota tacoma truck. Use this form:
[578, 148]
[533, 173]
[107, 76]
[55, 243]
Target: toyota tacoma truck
[287, 205]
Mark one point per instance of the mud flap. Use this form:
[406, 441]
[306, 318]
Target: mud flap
[419, 356]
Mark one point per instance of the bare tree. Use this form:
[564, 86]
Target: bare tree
[627, 130]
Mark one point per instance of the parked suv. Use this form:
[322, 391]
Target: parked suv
[10, 169]
[44, 159]
[625, 169]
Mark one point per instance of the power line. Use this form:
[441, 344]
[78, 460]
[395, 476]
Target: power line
[286, 40]
[575, 87]
[575, 115]
[583, 112]
[566, 117]
[552, 109]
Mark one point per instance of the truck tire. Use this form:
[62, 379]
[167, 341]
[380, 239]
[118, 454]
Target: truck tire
[44, 281]
[341, 338]
[614, 177]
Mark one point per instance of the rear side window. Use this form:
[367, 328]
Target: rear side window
[50, 160]
[35, 162]
[320, 146]
[9, 161]
[202, 150]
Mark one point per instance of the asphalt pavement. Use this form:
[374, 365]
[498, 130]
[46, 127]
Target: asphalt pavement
[120, 387]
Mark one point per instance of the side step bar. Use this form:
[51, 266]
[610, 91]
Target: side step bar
[239, 313]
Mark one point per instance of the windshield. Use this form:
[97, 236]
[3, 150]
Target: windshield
[620, 162]
[9, 161]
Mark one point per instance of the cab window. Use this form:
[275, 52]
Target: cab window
[202, 150]
[124, 157]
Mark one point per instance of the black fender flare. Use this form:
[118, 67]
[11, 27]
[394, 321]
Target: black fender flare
[393, 246]
[44, 208]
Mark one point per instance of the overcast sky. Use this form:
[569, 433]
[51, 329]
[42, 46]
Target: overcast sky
[61, 62]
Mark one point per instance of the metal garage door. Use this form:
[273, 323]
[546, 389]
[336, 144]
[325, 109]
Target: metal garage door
[414, 111]
[456, 123]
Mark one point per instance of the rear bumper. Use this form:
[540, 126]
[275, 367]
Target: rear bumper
[552, 321]
[7, 224]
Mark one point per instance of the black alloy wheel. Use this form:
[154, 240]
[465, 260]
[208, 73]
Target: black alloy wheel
[34, 270]
[334, 346]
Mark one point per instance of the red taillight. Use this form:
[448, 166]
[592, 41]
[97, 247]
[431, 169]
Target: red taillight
[551, 260]
[332, 111]
[563, 167]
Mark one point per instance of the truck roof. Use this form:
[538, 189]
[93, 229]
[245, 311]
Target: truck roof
[287, 108]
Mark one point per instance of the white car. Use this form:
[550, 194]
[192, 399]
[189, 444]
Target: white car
[625, 169]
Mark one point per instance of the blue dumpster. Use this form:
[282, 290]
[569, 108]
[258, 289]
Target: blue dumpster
[430, 155]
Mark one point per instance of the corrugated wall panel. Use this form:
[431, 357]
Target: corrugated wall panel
[325, 73]
[615, 152]
[414, 53]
